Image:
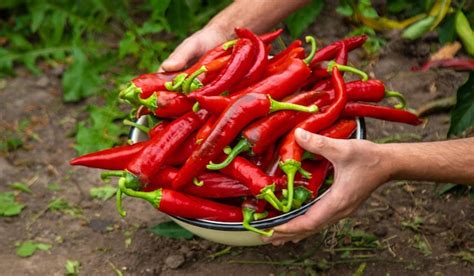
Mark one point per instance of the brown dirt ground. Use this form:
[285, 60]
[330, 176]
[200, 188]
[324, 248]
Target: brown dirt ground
[98, 237]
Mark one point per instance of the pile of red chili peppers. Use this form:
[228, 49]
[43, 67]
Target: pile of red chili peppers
[221, 133]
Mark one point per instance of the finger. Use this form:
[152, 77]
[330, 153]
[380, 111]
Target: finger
[181, 56]
[327, 147]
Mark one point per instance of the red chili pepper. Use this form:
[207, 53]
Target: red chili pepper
[152, 157]
[236, 116]
[260, 61]
[281, 84]
[109, 159]
[460, 64]
[178, 204]
[214, 185]
[167, 104]
[330, 51]
[284, 53]
[206, 129]
[276, 66]
[253, 209]
[185, 150]
[264, 132]
[260, 185]
[239, 64]
[318, 174]
[381, 112]
[291, 153]
[146, 84]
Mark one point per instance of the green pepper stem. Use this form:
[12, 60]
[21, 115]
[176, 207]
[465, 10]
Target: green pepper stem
[248, 215]
[198, 182]
[150, 102]
[118, 203]
[307, 155]
[309, 58]
[154, 197]
[394, 94]
[196, 107]
[301, 196]
[136, 125]
[268, 194]
[290, 168]
[363, 75]
[276, 105]
[258, 216]
[131, 95]
[105, 176]
[176, 83]
[229, 44]
[304, 173]
[189, 80]
[242, 145]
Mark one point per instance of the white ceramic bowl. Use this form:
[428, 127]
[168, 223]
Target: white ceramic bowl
[233, 233]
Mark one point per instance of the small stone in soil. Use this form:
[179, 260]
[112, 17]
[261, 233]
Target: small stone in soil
[174, 261]
[381, 231]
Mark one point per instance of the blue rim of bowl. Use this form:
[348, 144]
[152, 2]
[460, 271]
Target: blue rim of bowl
[264, 223]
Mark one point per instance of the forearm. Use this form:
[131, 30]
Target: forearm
[446, 161]
[257, 15]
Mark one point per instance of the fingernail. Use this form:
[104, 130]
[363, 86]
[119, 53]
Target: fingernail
[302, 134]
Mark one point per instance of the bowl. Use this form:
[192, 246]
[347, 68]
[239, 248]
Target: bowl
[233, 233]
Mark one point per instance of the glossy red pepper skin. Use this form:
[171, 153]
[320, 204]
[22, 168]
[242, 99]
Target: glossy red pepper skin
[329, 52]
[206, 129]
[157, 128]
[286, 81]
[179, 204]
[319, 172]
[152, 157]
[236, 116]
[284, 53]
[266, 131]
[171, 104]
[290, 150]
[275, 66]
[382, 113]
[248, 174]
[151, 82]
[215, 185]
[366, 91]
[185, 150]
[109, 159]
[260, 61]
[239, 64]
[214, 104]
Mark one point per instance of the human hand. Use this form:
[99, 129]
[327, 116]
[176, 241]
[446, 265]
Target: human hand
[193, 47]
[360, 167]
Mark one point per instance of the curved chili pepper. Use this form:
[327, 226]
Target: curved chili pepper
[275, 66]
[264, 132]
[167, 104]
[330, 51]
[206, 129]
[318, 174]
[238, 66]
[291, 153]
[253, 209]
[285, 52]
[149, 161]
[215, 185]
[260, 185]
[460, 64]
[381, 112]
[185, 150]
[178, 204]
[237, 115]
[260, 61]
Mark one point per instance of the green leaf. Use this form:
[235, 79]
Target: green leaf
[366, 9]
[72, 267]
[179, 17]
[447, 31]
[445, 188]
[397, 6]
[54, 187]
[345, 10]
[20, 186]
[462, 115]
[301, 19]
[172, 230]
[8, 205]
[420, 243]
[28, 248]
[103, 193]
[58, 204]
[102, 131]
[128, 45]
[81, 79]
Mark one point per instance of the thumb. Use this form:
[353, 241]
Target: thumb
[180, 56]
[318, 144]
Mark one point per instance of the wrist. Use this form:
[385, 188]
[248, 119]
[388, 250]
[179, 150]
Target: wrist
[390, 160]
